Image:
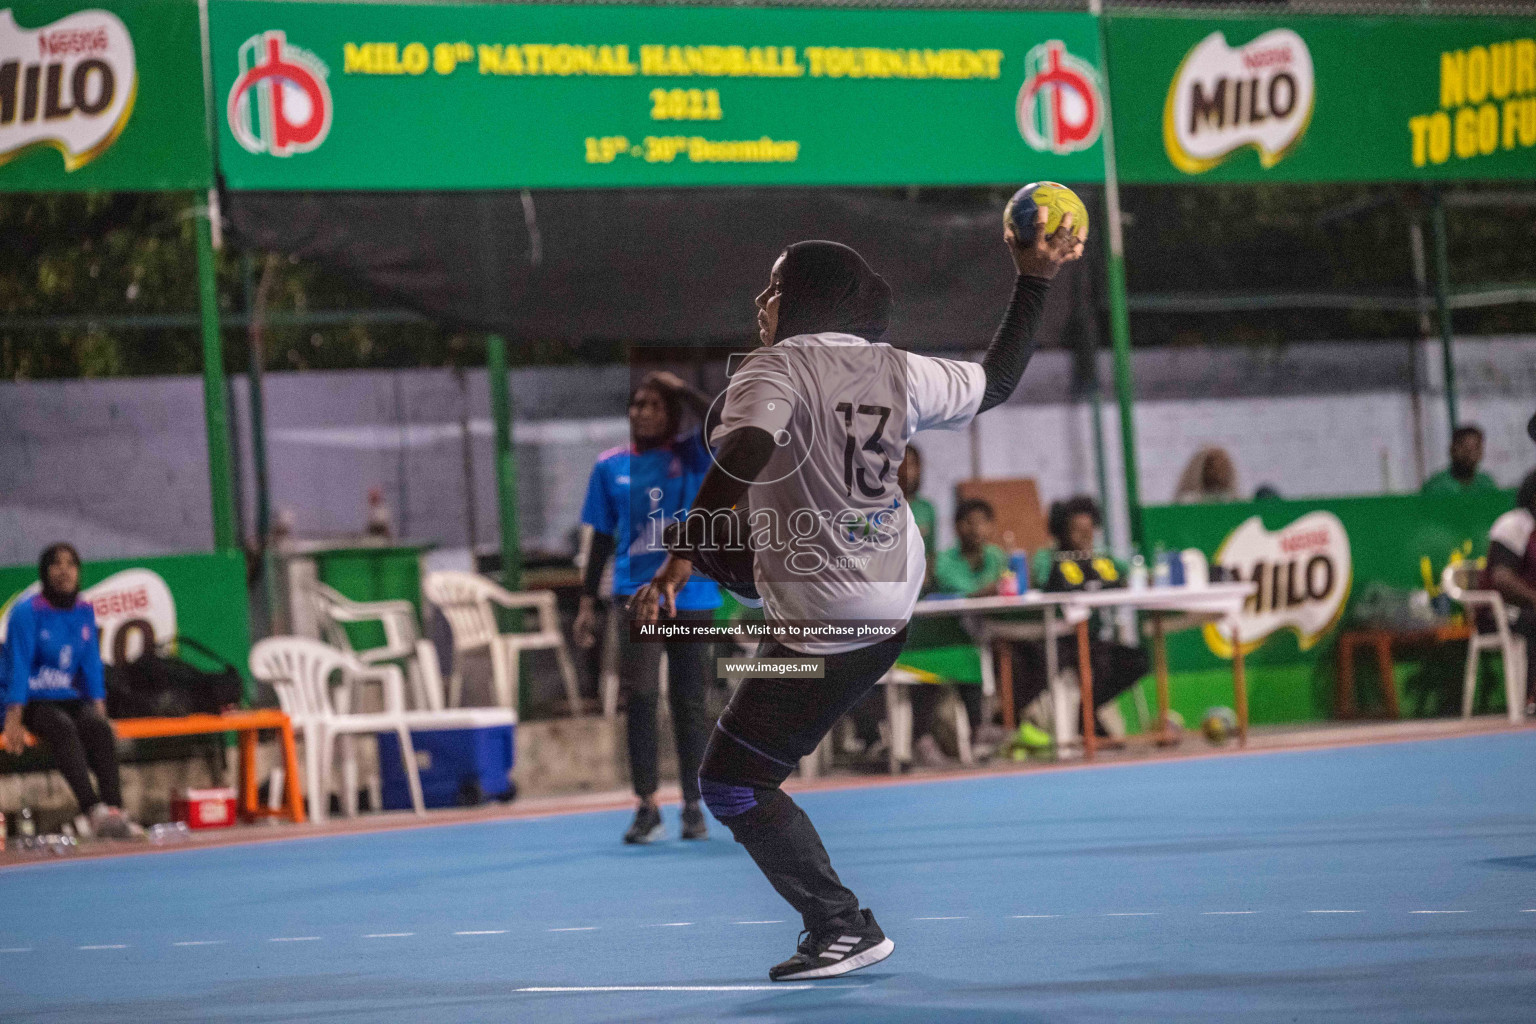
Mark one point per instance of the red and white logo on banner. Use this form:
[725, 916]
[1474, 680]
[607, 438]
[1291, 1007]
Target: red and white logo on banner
[1060, 108]
[280, 103]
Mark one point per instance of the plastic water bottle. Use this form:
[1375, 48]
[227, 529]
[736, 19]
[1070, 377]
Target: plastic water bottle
[168, 832]
[1019, 563]
[1138, 579]
[1161, 576]
[26, 825]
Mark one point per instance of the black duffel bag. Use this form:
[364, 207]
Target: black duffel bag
[158, 685]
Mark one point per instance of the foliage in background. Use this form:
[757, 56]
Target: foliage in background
[116, 255]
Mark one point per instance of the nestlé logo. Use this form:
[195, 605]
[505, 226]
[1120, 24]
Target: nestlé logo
[69, 85]
[1224, 98]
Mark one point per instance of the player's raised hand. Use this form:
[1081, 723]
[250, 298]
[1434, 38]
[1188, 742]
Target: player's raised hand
[1048, 253]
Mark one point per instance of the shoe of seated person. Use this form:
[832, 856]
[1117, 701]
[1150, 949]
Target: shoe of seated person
[926, 753]
[647, 826]
[835, 950]
[1031, 737]
[110, 823]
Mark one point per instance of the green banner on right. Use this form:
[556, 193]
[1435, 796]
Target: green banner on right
[1320, 99]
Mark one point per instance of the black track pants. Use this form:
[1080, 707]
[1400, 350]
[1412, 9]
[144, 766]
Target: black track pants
[769, 725]
[687, 684]
[81, 741]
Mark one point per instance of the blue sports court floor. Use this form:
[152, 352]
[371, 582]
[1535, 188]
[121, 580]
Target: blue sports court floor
[1379, 883]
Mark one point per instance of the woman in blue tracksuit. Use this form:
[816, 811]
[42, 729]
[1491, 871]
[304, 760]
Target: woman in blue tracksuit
[634, 492]
[54, 688]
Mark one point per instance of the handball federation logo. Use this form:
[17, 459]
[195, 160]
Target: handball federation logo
[1060, 107]
[279, 103]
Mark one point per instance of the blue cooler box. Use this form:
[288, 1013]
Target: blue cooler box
[457, 766]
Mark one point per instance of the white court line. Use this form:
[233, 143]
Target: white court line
[114, 945]
[781, 987]
[1225, 913]
[17, 949]
[781, 922]
[389, 935]
[584, 928]
[1437, 911]
[201, 942]
[670, 924]
[1031, 917]
[1333, 911]
[296, 938]
[941, 919]
[1133, 913]
[492, 931]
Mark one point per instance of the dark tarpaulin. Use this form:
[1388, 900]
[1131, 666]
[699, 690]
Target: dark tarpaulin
[672, 266]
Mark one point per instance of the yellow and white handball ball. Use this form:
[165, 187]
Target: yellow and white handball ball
[1056, 199]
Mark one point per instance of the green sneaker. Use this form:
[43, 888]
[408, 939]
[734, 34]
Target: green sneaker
[1031, 737]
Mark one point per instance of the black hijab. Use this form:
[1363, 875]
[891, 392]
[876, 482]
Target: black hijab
[58, 600]
[828, 287]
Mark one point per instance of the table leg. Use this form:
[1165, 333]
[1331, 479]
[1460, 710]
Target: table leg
[1240, 687]
[1388, 677]
[1344, 685]
[1085, 679]
[295, 777]
[248, 773]
[1160, 673]
[1002, 652]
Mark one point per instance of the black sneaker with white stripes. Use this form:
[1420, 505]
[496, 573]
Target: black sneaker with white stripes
[829, 952]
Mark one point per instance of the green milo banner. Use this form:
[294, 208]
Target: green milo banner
[446, 96]
[1313, 561]
[102, 97]
[141, 601]
[1321, 99]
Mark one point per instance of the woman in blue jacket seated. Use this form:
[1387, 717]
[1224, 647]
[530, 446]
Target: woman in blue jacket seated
[55, 689]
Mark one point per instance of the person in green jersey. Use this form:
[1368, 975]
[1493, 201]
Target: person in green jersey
[975, 566]
[909, 477]
[1462, 475]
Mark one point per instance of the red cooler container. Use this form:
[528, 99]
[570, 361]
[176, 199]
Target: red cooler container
[204, 808]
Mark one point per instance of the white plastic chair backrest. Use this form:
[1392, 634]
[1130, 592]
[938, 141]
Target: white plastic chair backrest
[300, 669]
[323, 599]
[464, 599]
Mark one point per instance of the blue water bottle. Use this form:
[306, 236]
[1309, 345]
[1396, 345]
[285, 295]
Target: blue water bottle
[1019, 563]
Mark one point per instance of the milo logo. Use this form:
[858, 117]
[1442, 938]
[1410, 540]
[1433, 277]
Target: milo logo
[1224, 98]
[1302, 573]
[69, 85]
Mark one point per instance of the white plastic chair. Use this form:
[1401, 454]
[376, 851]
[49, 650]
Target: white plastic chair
[301, 670]
[466, 600]
[333, 611]
[1456, 581]
[898, 717]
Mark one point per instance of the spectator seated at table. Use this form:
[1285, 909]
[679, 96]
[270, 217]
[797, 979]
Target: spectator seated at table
[55, 688]
[1462, 475]
[1077, 563]
[975, 566]
[1512, 571]
[909, 477]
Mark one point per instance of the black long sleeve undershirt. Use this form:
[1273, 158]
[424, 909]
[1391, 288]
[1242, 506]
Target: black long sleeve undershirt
[1014, 341]
[603, 545]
